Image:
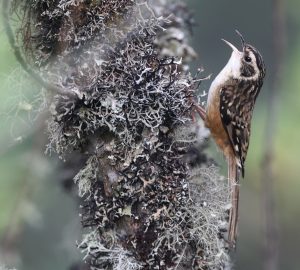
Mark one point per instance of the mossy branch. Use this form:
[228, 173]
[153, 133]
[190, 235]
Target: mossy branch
[143, 205]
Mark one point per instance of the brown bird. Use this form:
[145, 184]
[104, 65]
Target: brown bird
[230, 104]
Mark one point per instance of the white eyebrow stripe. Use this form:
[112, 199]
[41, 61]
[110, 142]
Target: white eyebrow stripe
[254, 64]
[252, 55]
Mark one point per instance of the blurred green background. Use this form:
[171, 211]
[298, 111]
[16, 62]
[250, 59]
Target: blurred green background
[39, 223]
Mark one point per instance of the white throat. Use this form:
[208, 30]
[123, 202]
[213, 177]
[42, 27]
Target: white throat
[229, 72]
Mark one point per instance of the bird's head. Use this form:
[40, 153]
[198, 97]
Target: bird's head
[246, 64]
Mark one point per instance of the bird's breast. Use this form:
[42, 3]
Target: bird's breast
[213, 120]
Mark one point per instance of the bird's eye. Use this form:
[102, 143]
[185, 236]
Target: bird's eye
[248, 59]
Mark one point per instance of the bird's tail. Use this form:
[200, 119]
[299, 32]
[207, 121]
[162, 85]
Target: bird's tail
[233, 178]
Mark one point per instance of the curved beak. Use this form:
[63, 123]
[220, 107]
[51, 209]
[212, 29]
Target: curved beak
[231, 45]
[241, 37]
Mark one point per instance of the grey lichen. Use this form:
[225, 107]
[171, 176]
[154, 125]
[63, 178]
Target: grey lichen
[210, 203]
[86, 176]
[132, 87]
[119, 258]
[143, 206]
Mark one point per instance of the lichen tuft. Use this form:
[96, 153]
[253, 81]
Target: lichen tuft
[146, 202]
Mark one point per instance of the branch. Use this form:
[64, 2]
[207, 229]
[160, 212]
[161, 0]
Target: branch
[21, 60]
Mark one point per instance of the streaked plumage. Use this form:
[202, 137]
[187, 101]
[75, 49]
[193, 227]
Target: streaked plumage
[230, 105]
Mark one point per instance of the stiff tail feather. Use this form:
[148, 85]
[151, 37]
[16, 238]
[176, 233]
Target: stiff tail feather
[233, 178]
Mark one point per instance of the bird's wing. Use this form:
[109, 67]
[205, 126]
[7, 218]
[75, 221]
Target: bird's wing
[236, 109]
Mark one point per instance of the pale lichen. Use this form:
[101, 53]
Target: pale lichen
[146, 202]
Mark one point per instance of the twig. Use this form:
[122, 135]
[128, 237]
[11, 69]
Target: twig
[20, 59]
